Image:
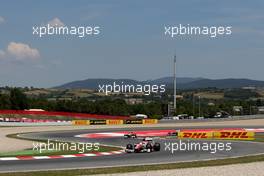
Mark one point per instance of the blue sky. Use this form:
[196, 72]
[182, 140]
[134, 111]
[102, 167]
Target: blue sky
[131, 43]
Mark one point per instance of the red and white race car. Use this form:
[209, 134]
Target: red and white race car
[130, 135]
[173, 133]
[146, 145]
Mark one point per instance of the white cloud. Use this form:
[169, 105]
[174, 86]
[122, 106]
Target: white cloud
[21, 51]
[2, 20]
[56, 22]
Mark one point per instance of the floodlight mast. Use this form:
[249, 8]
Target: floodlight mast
[175, 84]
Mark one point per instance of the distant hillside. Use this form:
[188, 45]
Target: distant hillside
[182, 83]
[169, 80]
[221, 83]
[93, 83]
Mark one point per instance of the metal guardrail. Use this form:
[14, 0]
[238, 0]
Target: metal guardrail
[244, 117]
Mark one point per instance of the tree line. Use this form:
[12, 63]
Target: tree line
[17, 100]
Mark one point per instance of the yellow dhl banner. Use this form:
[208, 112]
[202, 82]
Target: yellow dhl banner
[240, 135]
[196, 135]
[81, 122]
[114, 122]
[150, 121]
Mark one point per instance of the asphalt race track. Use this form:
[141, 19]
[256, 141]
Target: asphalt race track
[239, 148]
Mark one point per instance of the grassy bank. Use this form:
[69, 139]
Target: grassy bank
[31, 152]
[66, 148]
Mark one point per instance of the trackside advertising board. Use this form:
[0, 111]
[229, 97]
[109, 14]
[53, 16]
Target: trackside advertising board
[196, 135]
[134, 121]
[242, 135]
[150, 121]
[97, 122]
[229, 134]
[114, 122]
[81, 122]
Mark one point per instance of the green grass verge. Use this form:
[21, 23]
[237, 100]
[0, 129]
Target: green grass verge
[259, 138]
[7, 126]
[114, 170]
[31, 152]
[66, 151]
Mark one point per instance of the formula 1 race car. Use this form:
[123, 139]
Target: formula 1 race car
[130, 135]
[173, 133]
[146, 145]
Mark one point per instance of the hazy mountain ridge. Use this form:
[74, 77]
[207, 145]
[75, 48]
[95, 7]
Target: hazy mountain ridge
[182, 82]
[222, 83]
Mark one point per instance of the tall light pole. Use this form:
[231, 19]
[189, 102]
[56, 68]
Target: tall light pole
[193, 103]
[175, 89]
[199, 106]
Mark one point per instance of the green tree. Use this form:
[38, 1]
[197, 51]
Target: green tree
[18, 100]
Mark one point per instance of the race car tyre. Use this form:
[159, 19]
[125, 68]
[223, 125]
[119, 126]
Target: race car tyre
[149, 147]
[156, 147]
[129, 146]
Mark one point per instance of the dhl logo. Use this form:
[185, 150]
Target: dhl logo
[196, 135]
[235, 135]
